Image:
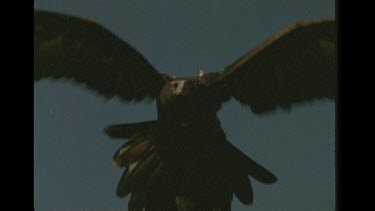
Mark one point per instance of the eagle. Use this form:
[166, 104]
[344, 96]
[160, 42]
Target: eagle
[182, 160]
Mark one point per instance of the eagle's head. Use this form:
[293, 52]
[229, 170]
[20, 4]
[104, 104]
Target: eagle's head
[176, 91]
[190, 96]
[183, 95]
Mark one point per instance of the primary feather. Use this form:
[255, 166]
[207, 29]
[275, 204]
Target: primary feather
[298, 64]
[81, 50]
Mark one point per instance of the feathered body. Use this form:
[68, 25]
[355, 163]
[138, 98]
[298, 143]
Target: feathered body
[187, 150]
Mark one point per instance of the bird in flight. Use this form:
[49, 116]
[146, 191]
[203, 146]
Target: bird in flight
[182, 160]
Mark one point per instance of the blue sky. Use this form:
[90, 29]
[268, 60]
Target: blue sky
[73, 158]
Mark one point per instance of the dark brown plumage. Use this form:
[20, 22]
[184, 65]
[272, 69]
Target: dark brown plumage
[73, 48]
[182, 160]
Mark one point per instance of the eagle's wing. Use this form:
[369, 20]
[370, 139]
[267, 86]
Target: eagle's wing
[298, 64]
[86, 52]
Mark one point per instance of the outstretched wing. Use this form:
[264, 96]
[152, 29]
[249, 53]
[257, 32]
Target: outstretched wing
[86, 52]
[298, 64]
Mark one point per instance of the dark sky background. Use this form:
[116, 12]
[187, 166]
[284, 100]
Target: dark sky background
[73, 158]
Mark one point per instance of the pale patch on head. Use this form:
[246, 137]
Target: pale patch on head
[178, 86]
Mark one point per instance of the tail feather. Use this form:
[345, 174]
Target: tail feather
[136, 174]
[252, 168]
[148, 181]
[153, 195]
[128, 130]
[144, 176]
[132, 151]
[141, 196]
[243, 190]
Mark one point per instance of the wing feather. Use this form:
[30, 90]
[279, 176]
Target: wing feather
[85, 52]
[296, 65]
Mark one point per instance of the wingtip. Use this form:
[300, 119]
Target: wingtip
[109, 131]
[248, 201]
[265, 177]
[114, 131]
[270, 179]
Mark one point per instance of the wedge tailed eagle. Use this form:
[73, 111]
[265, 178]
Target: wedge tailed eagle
[182, 160]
